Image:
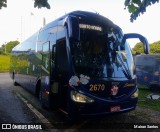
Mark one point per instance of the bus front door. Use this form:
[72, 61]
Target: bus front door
[44, 94]
[62, 72]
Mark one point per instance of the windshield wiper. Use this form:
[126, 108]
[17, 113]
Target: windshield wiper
[125, 69]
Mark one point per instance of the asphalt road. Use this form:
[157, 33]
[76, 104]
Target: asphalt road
[14, 110]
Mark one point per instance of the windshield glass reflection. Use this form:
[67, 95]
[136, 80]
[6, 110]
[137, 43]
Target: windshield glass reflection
[101, 54]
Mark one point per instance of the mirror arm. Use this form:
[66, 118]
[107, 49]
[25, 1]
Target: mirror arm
[141, 38]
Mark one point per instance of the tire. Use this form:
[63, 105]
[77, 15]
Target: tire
[40, 99]
[14, 82]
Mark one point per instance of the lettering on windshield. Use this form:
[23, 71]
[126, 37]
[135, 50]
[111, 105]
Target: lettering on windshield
[90, 27]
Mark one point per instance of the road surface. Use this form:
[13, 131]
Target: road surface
[14, 110]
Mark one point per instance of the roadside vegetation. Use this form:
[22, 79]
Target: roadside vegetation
[148, 103]
[5, 51]
[4, 63]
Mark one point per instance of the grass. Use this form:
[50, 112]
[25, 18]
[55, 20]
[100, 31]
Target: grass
[4, 63]
[148, 103]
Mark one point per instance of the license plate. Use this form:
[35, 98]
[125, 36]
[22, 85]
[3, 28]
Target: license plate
[115, 109]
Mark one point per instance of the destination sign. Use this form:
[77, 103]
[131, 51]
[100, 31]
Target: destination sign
[90, 27]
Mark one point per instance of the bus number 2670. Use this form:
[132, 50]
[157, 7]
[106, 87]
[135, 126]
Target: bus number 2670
[97, 87]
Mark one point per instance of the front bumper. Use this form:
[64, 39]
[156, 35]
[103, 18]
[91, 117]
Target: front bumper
[100, 108]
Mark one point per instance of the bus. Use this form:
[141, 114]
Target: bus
[80, 64]
[148, 71]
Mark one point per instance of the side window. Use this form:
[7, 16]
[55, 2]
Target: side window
[53, 56]
[61, 56]
[53, 53]
[45, 47]
[41, 39]
[52, 35]
[46, 56]
[60, 32]
[46, 35]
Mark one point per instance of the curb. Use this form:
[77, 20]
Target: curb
[37, 113]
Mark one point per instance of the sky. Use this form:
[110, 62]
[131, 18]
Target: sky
[20, 19]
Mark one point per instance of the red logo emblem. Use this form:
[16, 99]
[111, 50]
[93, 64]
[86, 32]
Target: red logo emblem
[114, 90]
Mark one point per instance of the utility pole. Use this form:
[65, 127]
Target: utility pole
[21, 35]
[44, 21]
[5, 47]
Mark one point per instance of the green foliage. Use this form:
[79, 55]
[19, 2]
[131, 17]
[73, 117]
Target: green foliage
[11, 45]
[138, 48]
[3, 3]
[137, 7]
[154, 48]
[41, 3]
[5, 49]
[147, 103]
[132, 5]
[4, 63]
[37, 3]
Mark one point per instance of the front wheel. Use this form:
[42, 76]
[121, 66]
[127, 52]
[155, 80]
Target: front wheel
[43, 105]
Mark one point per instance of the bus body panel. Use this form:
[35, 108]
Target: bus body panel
[67, 70]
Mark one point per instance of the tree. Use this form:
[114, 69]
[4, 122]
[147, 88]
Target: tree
[138, 48]
[154, 48]
[1, 51]
[41, 3]
[3, 3]
[8, 47]
[137, 7]
[37, 3]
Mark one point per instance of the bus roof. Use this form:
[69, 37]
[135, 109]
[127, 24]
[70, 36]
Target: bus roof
[90, 16]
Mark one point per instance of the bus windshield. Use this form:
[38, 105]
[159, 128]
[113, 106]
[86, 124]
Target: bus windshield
[101, 54]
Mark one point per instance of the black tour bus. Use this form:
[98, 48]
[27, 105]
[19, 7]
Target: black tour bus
[148, 71]
[80, 64]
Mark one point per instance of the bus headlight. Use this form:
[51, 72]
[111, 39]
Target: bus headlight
[135, 94]
[78, 97]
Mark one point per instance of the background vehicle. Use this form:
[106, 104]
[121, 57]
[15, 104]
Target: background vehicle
[79, 63]
[148, 71]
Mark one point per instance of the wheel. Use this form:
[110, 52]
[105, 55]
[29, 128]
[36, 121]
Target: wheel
[14, 82]
[40, 99]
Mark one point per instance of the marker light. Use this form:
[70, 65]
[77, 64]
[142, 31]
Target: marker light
[47, 92]
[77, 97]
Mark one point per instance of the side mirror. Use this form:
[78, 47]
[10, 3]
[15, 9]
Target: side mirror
[73, 28]
[140, 37]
